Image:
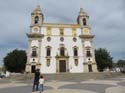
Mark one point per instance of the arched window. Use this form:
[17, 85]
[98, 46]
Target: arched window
[75, 52]
[36, 19]
[48, 51]
[34, 52]
[84, 21]
[62, 51]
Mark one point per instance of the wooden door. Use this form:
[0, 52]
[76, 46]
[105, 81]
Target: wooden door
[62, 66]
[33, 69]
[90, 68]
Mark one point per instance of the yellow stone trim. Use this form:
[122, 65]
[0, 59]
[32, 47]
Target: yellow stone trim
[48, 31]
[60, 25]
[61, 31]
[86, 31]
[74, 32]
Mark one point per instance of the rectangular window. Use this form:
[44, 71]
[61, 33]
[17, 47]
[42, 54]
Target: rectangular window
[88, 53]
[76, 62]
[48, 62]
[62, 51]
[48, 52]
[34, 54]
[75, 52]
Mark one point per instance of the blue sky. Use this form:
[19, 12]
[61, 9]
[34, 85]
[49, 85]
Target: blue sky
[106, 21]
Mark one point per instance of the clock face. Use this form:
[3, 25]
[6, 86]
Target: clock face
[86, 31]
[36, 29]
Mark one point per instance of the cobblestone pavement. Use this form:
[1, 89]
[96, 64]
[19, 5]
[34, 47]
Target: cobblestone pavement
[114, 85]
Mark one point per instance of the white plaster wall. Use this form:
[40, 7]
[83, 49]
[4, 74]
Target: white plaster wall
[34, 43]
[87, 59]
[55, 44]
[43, 30]
[78, 31]
[55, 31]
[87, 44]
[69, 44]
[36, 60]
[67, 31]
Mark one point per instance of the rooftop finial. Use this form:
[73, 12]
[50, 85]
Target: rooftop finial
[82, 12]
[37, 9]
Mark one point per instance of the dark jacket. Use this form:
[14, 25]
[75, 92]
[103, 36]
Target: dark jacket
[37, 76]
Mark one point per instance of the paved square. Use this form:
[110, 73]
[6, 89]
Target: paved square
[112, 85]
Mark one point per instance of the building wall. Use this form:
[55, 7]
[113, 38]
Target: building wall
[55, 45]
[39, 33]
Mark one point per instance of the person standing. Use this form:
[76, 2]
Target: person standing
[41, 84]
[36, 80]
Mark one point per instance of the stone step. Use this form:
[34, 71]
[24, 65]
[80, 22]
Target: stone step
[68, 76]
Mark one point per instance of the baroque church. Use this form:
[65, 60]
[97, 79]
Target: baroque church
[60, 48]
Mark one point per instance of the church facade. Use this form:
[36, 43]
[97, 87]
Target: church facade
[60, 48]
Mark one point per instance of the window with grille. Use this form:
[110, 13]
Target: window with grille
[48, 51]
[62, 51]
[88, 53]
[75, 52]
[34, 52]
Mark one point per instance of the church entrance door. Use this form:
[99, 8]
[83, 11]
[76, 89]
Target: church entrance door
[90, 68]
[62, 65]
[33, 68]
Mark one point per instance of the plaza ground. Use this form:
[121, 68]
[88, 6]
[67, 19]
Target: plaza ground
[96, 85]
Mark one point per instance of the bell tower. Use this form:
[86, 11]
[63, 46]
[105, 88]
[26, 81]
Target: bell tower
[37, 17]
[35, 39]
[82, 18]
[87, 42]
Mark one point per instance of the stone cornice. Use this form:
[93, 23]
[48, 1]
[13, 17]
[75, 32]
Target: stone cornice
[60, 25]
[62, 56]
[86, 36]
[87, 63]
[35, 25]
[35, 35]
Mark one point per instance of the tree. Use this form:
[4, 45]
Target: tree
[103, 59]
[15, 61]
[121, 63]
